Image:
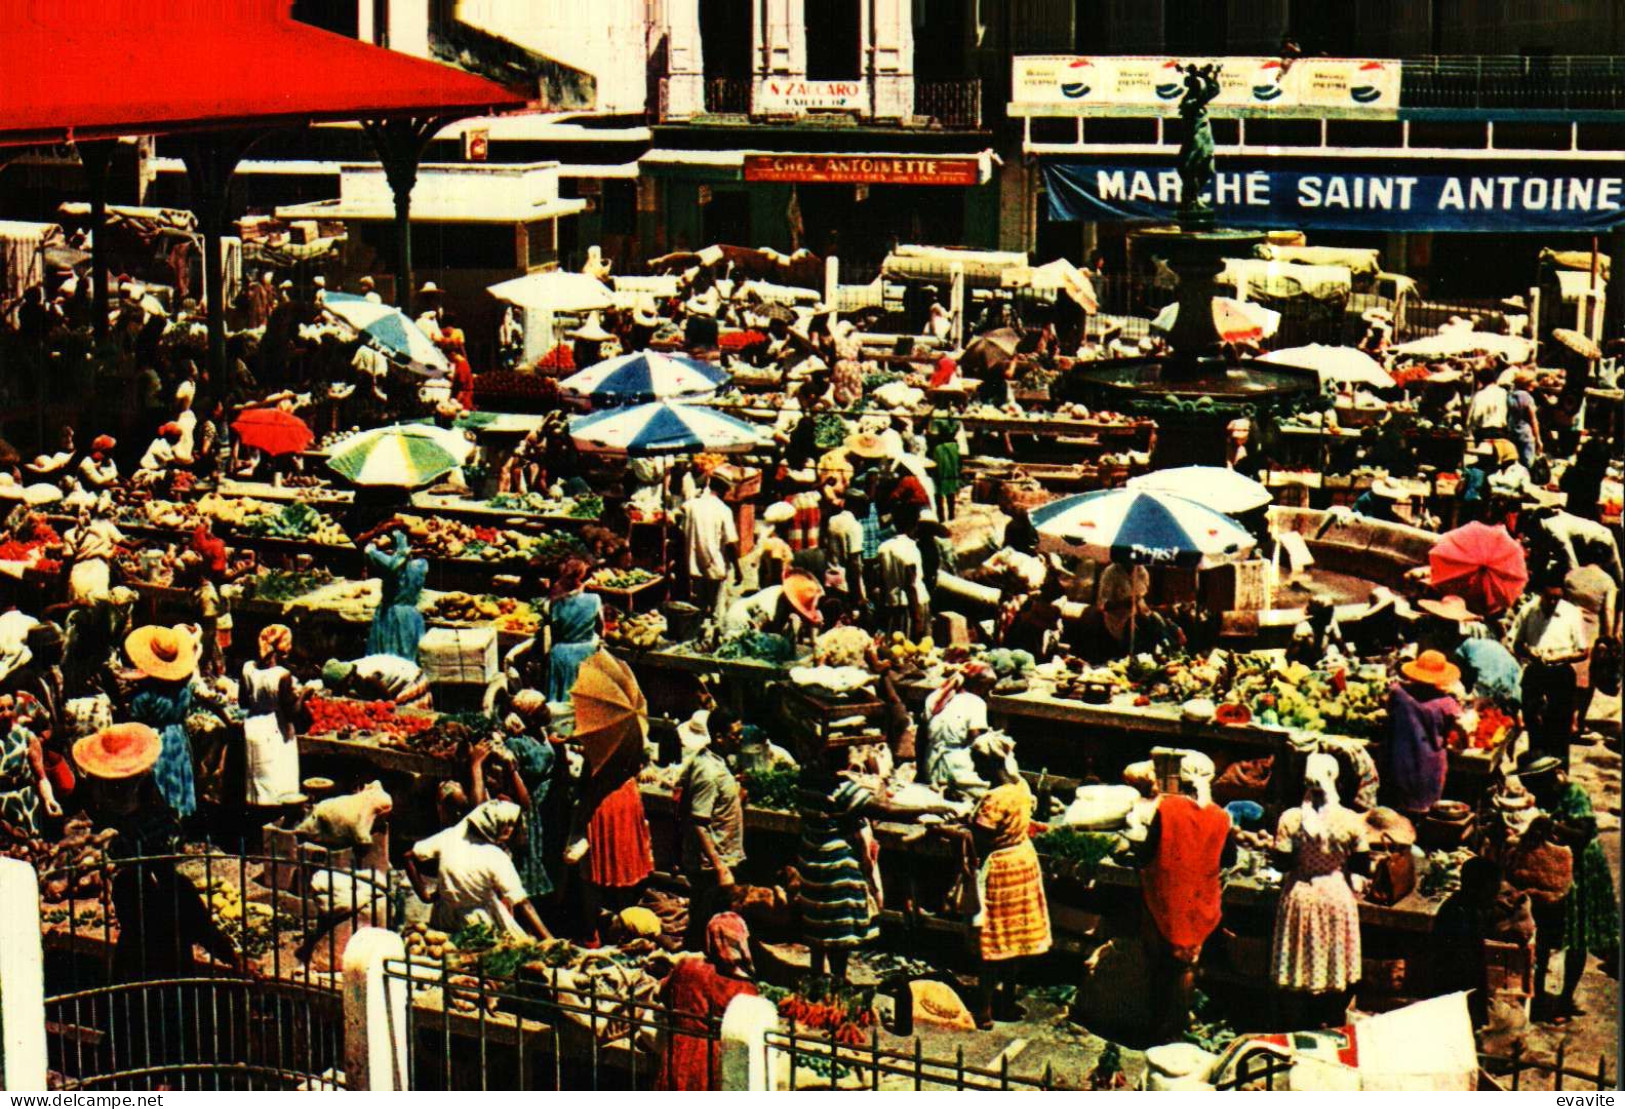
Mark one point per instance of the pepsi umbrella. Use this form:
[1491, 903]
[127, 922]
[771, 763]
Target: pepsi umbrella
[1135, 526]
[389, 329]
[1220, 489]
[644, 376]
[663, 428]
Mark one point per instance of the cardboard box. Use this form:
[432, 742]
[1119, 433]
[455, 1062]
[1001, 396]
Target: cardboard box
[459, 655]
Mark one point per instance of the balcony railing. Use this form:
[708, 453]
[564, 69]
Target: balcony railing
[728, 96]
[954, 104]
[1505, 81]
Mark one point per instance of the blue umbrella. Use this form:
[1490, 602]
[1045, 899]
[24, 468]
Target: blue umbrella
[1135, 526]
[663, 428]
[390, 329]
[647, 375]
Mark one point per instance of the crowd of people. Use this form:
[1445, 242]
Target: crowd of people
[106, 715]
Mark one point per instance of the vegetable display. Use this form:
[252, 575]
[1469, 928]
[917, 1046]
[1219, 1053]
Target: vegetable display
[821, 1005]
[641, 632]
[621, 580]
[829, 431]
[507, 613]
[1075, 851]
[760, 646]
[446, 538]
[285, 585]
[772, 789]
[344, 717]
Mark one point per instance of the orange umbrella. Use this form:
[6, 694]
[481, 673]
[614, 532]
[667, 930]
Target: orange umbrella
[611, 713]
[273, 431]
[1481, 563]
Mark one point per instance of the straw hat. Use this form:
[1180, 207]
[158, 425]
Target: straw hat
[429, 287]
[1388, 490]
[1450, 608]
[592, 331]
[803, 592]
[1536, 764]
[1432, 668]
[121, 751]
[168, 654]
[867, 445]
[1387, 825]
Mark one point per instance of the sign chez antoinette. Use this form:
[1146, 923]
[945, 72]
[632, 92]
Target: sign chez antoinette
[865, 169]
[776, 96]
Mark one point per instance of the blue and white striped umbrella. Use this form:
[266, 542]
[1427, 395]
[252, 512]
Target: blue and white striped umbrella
[663, 428]
[1152, 529]
[644, 376]
[391, 330]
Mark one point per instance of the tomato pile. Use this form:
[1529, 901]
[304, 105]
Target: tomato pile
[1493, 726]
[329, 715]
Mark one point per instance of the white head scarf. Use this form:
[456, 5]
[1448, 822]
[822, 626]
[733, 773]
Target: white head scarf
[1319, 772]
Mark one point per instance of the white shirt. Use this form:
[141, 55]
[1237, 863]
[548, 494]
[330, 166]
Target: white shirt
[1567, 530]
[708, 527]
[98, 475]
[1488, 411]
[159, 455]
[843, 537]
[473, 875]
[1560, 634]
[753, 613]
[898, 556]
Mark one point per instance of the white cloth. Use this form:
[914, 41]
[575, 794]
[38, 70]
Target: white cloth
[1488, 411]
[753, 612]
[843, 537]
[1558, 634]
[708, 527]
[900, 555]
[473, 875]
[187, 422]
[271, 747]
[390, 673]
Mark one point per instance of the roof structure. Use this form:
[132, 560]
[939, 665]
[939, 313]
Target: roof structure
[104, 68]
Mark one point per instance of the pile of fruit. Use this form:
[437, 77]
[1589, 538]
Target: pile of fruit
[1294, 696]
[248, 924]
[906, 652]
[343, 718]
[642, 632]
[1492, 728]
[621, 580]
[506, 613]
[423, 941]
[447, 538]
[846, 645]
[510, 383]
[297, 521]
[174, 515]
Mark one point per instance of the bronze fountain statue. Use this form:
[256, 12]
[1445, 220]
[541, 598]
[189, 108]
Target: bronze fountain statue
[1196, 152]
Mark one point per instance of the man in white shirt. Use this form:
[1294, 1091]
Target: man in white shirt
[1487, 414]
[842, 540]
[902, 577]
[1584, 543]
[1549, 637]
[712, 539]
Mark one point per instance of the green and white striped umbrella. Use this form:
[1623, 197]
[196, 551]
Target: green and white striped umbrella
[400, 456]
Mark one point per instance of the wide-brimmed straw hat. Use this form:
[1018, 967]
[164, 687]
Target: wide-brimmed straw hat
[168, 654]
[121, 751]
[592, 331]
[1432, 668]
[803, 593]
[868, 445]
[1448, 608]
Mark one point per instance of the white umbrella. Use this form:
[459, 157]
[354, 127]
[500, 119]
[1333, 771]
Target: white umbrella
[1453, 341]
[453, 441]
[1220, 489]
[1343, 365]
[555, 292]
[1234, 319]
[1133, 526]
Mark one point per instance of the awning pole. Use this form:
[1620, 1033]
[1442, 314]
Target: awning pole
[400, 144]
[97, 158]
[211, 159]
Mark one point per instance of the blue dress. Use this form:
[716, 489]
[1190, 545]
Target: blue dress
[397, 626]
[19, 798]
[537, 762]
[573, 620]
[164, 707]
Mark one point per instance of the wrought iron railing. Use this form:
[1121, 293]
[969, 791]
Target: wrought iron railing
[1511, 81]
[954, 104]
[727, 96]
[820, 1061]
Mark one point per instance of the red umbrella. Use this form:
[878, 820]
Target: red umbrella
[273, 431]
[1481, 563]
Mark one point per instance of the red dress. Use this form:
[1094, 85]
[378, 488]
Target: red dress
[1181, 886]
[618, 852]
[462, 382]
[697, 995]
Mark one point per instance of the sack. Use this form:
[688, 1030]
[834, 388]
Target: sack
[1393, 875]
[1606, 660]
[1545, 872]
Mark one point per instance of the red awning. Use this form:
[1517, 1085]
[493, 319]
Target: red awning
[105, 68]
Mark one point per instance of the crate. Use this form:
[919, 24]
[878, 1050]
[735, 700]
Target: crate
[465, 656]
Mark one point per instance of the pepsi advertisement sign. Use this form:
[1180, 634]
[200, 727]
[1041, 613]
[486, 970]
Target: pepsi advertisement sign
[1430, 195]
[1111, 81]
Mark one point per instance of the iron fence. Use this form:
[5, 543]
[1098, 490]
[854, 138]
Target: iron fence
[201, 970]
[954, 104]
[1513, 81]
[822, 1061]
[546, 1028]
[727, 96]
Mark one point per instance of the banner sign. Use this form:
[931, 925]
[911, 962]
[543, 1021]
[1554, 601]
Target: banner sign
[865, 169]
[1436, 196]
[776, 96]
[1156, 83]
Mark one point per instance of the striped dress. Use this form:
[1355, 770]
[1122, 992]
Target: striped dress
[834, 901]
[1014, 911]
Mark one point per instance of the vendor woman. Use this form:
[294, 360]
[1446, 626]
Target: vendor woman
[397, 626]
[1121, 624]
[475, 874]
[786, 609]
[575, 618]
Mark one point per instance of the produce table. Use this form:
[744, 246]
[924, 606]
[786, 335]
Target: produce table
[320, 495]
[482, 512]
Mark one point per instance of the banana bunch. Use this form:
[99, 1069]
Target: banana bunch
[643, 631]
